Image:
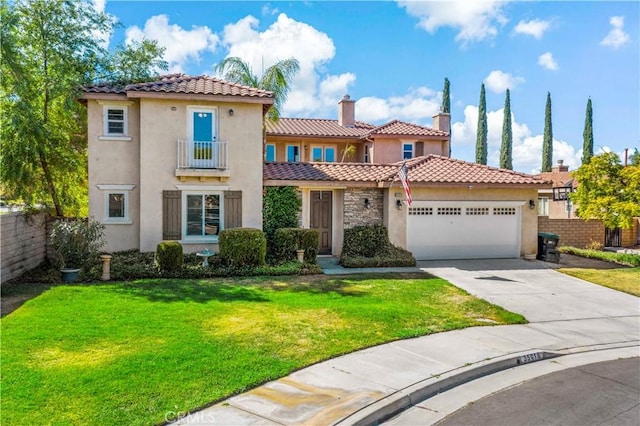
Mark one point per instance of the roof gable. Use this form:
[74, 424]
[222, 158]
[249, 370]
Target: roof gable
[402, 128]
[430, 169]
[182, 84]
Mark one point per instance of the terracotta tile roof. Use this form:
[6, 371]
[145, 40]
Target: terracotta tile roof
[430, 169]
[316, 127]
[559, 179]
[401, 128]
[182, 83]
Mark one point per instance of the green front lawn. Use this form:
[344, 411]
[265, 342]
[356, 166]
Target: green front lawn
[128, 353]
[626, 279]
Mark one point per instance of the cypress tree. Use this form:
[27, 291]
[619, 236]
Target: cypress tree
[481, 141]
[547, 143]
[587, 135]
[507, 136]
[446, 107]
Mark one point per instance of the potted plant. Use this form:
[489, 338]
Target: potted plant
[75, 242]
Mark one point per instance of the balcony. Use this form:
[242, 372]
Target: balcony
[202, 159]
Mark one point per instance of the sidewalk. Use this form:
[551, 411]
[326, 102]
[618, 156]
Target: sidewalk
[566, 315]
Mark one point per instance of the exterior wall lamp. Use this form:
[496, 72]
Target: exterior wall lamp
[399, 204]
[231, 112]
[367, 203]
[532, 204]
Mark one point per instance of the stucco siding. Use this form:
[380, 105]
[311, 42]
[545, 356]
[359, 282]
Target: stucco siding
[114, 162]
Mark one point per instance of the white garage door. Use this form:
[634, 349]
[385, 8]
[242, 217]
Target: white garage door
[463, 230]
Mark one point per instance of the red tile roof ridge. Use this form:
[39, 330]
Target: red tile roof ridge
[404, 126]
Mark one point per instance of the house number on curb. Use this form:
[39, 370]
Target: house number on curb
[536, 356]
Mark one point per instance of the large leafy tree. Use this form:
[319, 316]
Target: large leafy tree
[446, 107]
[547, 142]
[608, 191]
[481, 140]
[49, 49]
[506, 148]
[587, 135]
[277, 79]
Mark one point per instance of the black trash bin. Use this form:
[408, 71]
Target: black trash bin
[548, 247]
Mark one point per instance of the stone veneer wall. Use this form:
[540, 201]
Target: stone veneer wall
[355, 213]
[24, 243]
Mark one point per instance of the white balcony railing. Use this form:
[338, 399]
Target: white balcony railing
[202, 155]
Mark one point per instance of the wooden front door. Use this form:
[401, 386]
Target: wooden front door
[321, 219]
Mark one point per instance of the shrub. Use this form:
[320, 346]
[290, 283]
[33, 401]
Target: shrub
[287, 240]
[280, 209]
[169, 256]
[243, 247]
[76, 242]
[369, 246]
[594, 245]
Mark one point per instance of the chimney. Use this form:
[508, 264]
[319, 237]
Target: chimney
[560, 167]
[347, 112]
[442, 121]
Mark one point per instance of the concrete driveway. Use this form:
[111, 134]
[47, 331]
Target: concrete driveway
[533, 289]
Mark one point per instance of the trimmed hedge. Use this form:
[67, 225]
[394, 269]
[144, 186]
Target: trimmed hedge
[287, 240]
[169, 256]
[369, 246]
[242, 247]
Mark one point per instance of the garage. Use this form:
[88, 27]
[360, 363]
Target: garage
[464, 229]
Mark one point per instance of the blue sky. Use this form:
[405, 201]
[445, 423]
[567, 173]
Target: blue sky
[392, 57]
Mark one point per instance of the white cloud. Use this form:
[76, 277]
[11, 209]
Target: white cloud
[267, 9]
[498, 81]
[181, 45]
[616, 37]
[417, 106]
[546, 61]
[534, 28]
[313, 91]
[527, 148]
[477, 20]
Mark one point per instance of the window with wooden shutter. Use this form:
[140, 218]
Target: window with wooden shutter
[419, 149]
[232, 209]
[171, 215]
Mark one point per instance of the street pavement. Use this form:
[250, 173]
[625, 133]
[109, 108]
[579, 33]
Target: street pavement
[567, 317]
[595, 393]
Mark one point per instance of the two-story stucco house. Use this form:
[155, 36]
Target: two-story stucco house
[175, 159]
[182, 158]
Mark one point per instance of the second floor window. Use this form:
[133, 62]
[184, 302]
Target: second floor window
[293, 153]
[115, 121]
[270, 153]
[323, 153]
[407, 151]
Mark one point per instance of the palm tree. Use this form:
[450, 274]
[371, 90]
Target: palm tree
[277, 79]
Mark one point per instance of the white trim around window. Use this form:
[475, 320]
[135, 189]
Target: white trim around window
[412, 152]
[297, 158]
[116, 204]
[115, 122]
[217, 219]
[267, 157]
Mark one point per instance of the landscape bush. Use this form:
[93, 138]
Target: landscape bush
[626, 259]
[76, 242]
[287, 240]
[243, 247]
[280, 208]
[369, 246]
[169, 256]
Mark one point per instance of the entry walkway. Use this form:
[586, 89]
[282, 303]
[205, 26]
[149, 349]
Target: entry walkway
[567, 316]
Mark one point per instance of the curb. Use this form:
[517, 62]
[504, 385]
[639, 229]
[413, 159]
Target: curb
[404, 399]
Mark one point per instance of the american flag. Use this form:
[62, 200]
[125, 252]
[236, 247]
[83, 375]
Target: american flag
[403, 173]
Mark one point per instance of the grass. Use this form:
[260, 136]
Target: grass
[128, 353]
[624, 279]
[626, 259]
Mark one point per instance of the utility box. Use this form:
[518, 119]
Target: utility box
[548, 247]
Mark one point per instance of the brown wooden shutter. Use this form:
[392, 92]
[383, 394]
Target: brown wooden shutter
[232, 209]
[171, 215]
[419, 149]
